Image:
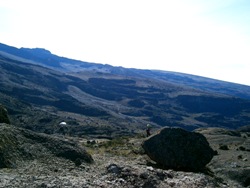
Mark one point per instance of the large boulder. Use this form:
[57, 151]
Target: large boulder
[17, 144]
[175, 148]
[4, 115]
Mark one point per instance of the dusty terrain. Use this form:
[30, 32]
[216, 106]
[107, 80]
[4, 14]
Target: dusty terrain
[233, 159]
[121, 163]
[107, 171]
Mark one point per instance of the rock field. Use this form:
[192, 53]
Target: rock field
[122, 163]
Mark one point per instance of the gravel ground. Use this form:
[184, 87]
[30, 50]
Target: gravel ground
[107, 171]
[121, 164]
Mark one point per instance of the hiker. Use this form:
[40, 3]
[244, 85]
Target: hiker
[148, 130]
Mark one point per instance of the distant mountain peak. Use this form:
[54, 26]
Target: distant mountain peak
[37, 50]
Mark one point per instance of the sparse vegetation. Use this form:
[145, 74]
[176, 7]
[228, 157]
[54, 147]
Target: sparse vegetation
[121, 146]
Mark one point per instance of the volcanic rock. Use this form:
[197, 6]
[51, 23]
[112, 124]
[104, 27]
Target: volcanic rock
[175, 148]
[17, 144]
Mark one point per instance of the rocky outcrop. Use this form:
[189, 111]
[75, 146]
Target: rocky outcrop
[4, 115]
[175, 148]
[18, 144]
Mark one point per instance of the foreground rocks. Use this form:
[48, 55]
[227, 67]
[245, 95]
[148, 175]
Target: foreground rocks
[107, 172]
[117, 163]
[175, 148]
[17, 144]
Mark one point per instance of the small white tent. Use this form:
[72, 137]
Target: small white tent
[63, 123]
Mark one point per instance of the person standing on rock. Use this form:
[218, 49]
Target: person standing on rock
[148, 130]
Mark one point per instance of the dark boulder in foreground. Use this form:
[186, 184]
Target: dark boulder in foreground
[175, 148]
[17, 144]
[4, 115]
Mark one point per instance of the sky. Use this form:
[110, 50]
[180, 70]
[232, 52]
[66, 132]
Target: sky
[209, 38]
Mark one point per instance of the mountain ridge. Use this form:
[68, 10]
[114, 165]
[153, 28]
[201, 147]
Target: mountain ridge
[104, 100]
[36, 55]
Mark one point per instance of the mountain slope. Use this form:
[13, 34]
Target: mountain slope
[45, 58]
[40, 89]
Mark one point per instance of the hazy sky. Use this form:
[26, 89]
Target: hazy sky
[210, 38]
